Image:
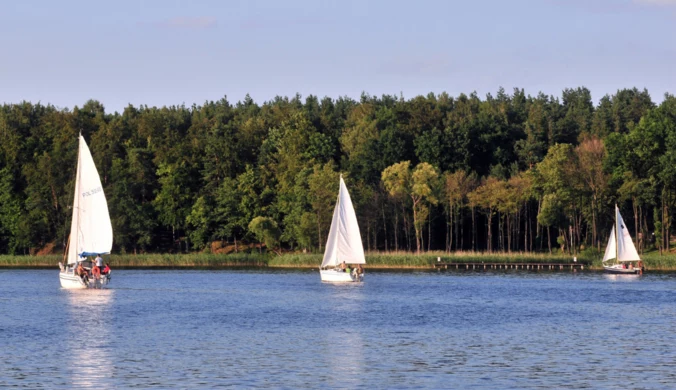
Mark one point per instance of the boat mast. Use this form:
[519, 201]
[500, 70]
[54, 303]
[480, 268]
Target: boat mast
[617, 236]
[78, 173]
[65, 254]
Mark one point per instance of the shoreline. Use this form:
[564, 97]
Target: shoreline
[316, 267]
[375, 267]
[374, 260]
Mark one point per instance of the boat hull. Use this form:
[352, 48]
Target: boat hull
[330, 275]
[621, 271]
[72, 282]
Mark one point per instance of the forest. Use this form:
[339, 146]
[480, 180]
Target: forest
[503, 173]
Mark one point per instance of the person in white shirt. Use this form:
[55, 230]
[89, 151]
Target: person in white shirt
[99, 261]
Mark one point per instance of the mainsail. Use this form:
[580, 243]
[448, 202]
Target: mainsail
[344, 241]
[91, 232]
[626, 251]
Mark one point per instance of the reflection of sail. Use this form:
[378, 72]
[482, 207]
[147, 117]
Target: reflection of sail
[88, 333]
[344, 354]
[621, 278]
[341, 345]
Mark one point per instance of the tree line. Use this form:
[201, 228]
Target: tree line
[510, 172]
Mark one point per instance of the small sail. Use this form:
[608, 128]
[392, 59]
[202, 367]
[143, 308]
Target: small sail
[91, 232]
[344, 241]
[611, 249]
[626, 251]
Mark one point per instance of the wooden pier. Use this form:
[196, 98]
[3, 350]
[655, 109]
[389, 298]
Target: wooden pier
[523, 266]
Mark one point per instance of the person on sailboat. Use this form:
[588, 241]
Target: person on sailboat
[106, 270]
[355, 271]
[82, 272]
[343, 266]
[99, 261]
[96, 272]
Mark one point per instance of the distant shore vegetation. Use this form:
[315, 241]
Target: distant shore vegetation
[653, 261]
[508, 174]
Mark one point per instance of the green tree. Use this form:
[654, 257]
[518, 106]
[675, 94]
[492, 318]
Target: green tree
[13, 229]
[487, 196]
[266, 231]
[174, 198]
[421, 185]
[323, 190]
[130, 196]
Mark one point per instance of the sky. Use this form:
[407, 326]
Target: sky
[173, 52]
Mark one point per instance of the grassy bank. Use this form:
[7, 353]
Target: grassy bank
[197, 260]
[423, 260]
[381, 260]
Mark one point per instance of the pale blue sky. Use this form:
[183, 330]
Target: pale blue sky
[174, 51]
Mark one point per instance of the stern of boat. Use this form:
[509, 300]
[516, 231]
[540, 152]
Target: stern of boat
[618, 270]
[71, 281]
[339, 276]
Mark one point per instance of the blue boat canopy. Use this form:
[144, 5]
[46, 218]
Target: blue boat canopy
[93, 254]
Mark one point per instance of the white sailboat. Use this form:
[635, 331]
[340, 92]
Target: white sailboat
[91, 232]
[621, 248]
[343, 246]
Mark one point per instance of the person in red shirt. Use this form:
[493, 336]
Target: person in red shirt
[96, 272]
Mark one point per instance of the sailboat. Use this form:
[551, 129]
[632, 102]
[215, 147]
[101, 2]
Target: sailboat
[91, 232]
[343, 246]
[621, 249]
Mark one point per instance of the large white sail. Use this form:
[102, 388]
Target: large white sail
[91, 232]
[611, 249]
[626, 251]
[344, 241]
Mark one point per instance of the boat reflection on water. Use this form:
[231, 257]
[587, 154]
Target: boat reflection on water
[89, 330]
[343, 355]
[342, 348]
[622, 277]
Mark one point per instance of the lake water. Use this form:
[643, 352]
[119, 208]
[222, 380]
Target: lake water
[286, 329]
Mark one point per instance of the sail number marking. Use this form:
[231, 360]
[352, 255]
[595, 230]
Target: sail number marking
[92, 192]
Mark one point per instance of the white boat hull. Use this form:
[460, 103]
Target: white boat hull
[338, 276]
[71, 281]
[617, 269]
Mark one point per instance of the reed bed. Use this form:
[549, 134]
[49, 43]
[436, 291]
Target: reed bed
[392, 260]
[502, 257]
[298, 260]
[48, 261]
[198, 260]
[425, 260]
[656, 262]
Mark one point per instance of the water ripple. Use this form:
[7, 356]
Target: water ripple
[197, 329]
